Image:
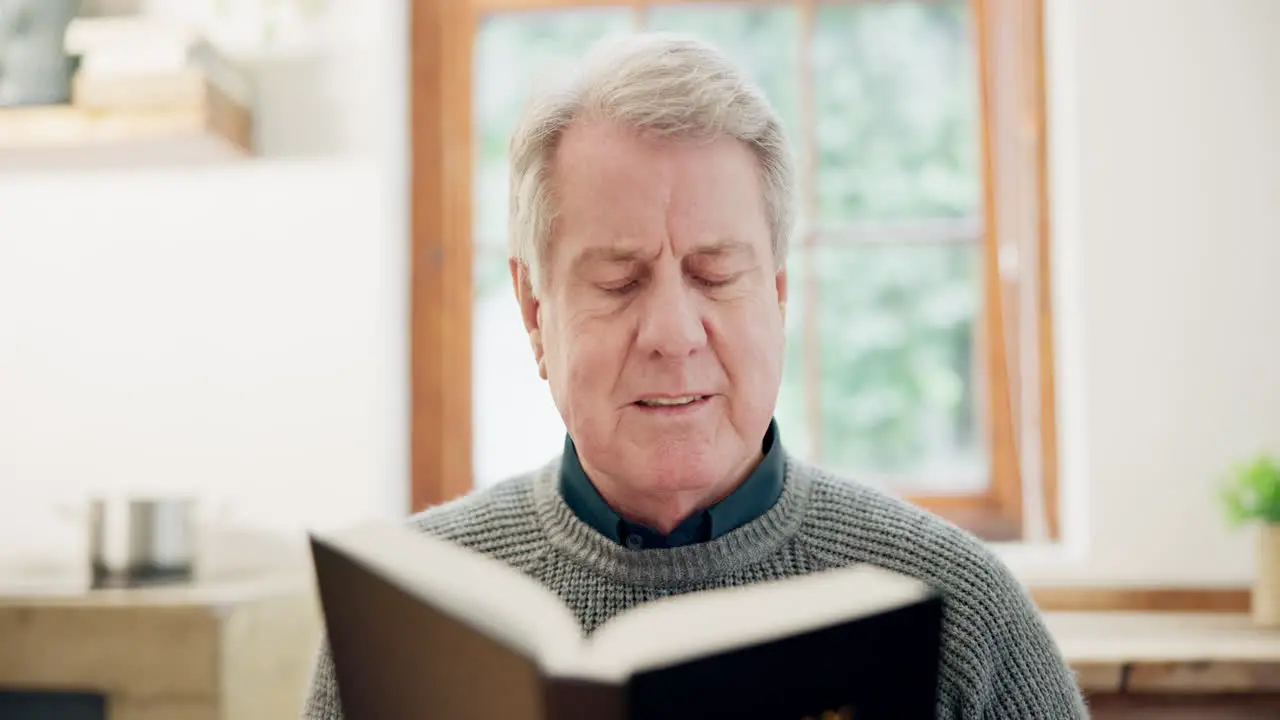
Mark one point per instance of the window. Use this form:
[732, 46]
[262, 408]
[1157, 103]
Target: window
[918, 342]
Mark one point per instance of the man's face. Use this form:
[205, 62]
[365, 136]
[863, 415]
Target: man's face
[660, 321]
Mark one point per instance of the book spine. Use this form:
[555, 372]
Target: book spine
[160, 87]
[90, 35]
[574, 699]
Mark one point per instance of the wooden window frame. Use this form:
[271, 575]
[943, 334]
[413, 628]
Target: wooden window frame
[1014, 327]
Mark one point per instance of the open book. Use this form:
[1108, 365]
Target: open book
[422, 628]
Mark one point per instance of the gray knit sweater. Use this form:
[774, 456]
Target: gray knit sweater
[998, 661]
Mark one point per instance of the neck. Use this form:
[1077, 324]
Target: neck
[664, 510]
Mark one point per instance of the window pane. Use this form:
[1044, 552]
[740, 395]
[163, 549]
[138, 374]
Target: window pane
[898, 391]
[761, 38]
[793, 411]
[515, 424]
[897, 109]
[896, 105]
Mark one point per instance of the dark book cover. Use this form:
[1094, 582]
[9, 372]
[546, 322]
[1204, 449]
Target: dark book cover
[881, 667]
[397, 657]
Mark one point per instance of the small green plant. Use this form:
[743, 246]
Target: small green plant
[1252, 491]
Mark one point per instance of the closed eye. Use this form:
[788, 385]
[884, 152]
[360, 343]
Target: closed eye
[715, 282]
[622, 289]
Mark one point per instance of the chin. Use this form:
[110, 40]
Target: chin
[673, 468]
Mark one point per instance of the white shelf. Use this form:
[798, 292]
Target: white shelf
[65, 136]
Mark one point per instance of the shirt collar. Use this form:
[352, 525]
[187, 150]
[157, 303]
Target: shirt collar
[748, 501]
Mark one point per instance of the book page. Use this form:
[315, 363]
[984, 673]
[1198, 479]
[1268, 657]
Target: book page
[685, 627]
[486, 594]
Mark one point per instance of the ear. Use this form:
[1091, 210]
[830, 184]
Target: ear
[780, 283]
[529, 311]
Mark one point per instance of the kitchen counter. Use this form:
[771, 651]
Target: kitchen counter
[210, 650]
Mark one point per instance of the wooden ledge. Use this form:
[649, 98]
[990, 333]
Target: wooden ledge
[1142, 599]
[1168, 652]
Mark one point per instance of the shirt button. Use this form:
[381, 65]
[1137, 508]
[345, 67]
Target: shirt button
[635, 542]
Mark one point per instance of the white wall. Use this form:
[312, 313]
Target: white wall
[1167, 193]
[237, 330]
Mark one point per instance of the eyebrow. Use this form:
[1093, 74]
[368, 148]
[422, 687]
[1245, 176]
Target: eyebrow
[724, 248]
[611, 254]
[624, 254]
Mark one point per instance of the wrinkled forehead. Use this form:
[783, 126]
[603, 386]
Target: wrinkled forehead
[621, 195]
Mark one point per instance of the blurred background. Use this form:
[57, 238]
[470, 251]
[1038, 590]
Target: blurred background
[203, 298]
[253, 252]
[1031, 271]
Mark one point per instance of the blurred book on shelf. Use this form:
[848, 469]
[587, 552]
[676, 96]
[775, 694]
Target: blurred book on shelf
[144, 91]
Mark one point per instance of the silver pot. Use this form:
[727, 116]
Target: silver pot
[142, 541]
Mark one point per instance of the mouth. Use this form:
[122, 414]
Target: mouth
[672, 403]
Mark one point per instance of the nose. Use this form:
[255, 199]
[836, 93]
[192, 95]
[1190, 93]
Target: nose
[671, 318]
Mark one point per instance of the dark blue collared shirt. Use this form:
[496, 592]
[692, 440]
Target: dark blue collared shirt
[749, 501]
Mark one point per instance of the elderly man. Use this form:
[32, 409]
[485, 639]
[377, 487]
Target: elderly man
[651, 203]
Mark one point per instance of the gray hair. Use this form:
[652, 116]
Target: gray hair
[663, 85]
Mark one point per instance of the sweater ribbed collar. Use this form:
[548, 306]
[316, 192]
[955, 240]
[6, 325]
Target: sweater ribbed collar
[670, 567]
